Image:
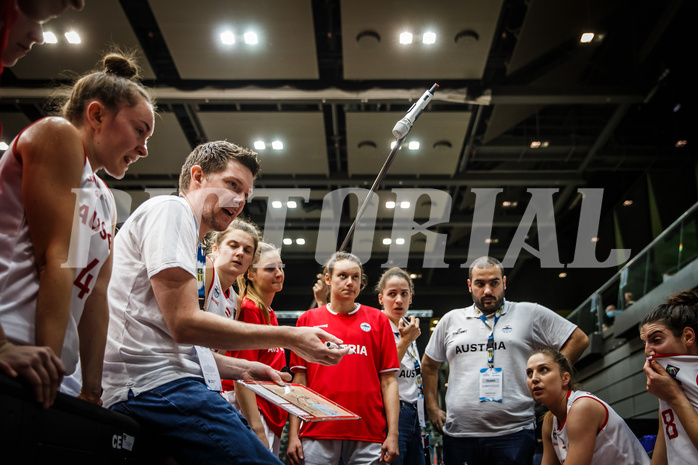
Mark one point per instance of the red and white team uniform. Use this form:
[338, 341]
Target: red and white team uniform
[274, 416]
[615, 441]
[90, 245]
[679, 448]
[354, 383]
[220, 301]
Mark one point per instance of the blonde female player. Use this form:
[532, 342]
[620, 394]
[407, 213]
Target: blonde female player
[258, 286]
[363, 382]
[395, 290]
[232, 253]
[57, 227]
[580, 428]
[669, 334]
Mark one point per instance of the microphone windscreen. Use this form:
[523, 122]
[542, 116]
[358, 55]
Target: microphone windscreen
[401, 128]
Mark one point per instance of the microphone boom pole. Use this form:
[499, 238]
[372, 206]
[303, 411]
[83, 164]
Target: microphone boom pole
[400, 131]
[374, 187]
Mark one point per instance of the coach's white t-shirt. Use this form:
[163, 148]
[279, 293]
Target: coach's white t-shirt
[141, 353]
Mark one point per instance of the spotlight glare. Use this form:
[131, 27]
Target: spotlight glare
[428, 38]
[72, 37]
[587, 37]
[250, 38]
[406, 38]
[50, 37]
[227, 37]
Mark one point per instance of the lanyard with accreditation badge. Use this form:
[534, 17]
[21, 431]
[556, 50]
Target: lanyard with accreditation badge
[412, 352]
[490, 377]
[209, 369]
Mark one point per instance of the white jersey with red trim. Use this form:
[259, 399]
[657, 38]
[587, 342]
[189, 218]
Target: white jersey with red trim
[679, 448]
[19, 278]
[354, 383]
[223, 302]
[615, 442]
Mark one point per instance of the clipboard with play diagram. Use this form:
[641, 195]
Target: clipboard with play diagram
[300, 401]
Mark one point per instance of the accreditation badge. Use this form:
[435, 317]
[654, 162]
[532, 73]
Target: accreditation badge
[209, 370]
[420, 411]
[491, 385]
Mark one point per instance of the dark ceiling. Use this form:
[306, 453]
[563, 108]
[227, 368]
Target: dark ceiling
[330, 80]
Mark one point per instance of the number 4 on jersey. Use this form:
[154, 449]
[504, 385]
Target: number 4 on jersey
[83, 279]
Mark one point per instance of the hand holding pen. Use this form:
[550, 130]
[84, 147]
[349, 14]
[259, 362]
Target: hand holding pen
[332, 345]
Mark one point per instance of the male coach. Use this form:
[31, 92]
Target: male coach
[158, 367]
[490, 416]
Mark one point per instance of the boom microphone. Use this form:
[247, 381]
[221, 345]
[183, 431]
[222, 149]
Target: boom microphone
[403, 126]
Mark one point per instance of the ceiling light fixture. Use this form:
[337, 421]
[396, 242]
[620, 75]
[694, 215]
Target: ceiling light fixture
[300, 241]
[406, 38]
[366, 146]
[466, 37]
[442, 145]
[259, 145]
[390, 204]
[414, 145]
[387, 241]
[404, 205]
[276, 204]
[4, 146]
[72, 37]
[586, 37]
[428, 38]
[277, 145]
[250, 38]
[368, 39]
[50, 38]
[227, 37]
[292, 204]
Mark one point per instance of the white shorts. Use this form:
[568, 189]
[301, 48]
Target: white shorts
[328, 452]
